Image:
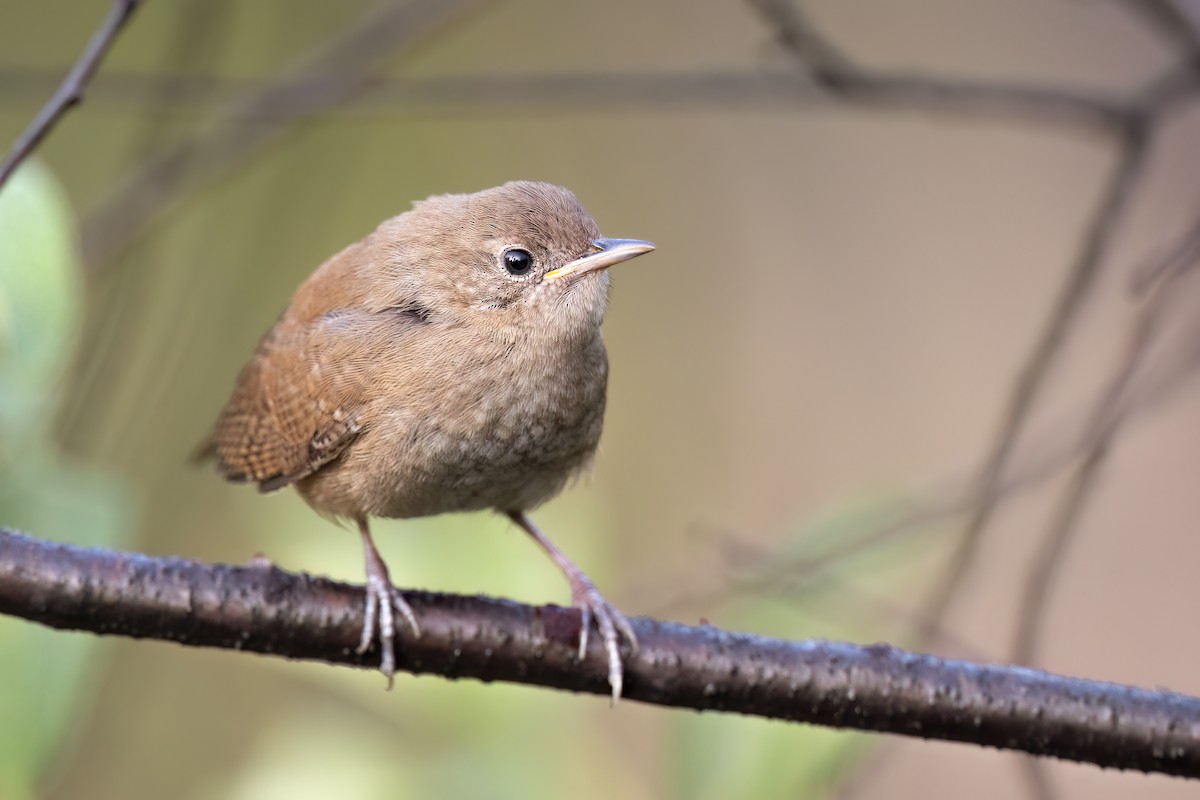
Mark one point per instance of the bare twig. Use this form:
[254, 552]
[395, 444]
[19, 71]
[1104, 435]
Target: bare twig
[1174, 20]
[1107, 418]
[832, 70]
[70, 92]
[814, 51]
[1104, 424]
[1080, 281]
[763, 570]
[1179, 256]
[601, 93]
[262, 609]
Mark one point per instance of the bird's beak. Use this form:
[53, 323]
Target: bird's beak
[606, 252]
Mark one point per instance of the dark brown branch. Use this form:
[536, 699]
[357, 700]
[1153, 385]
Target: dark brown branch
[263, 609]
[70, 93]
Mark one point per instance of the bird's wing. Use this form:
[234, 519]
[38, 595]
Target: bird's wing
[296, 406]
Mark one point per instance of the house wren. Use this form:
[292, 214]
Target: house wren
[449, 361]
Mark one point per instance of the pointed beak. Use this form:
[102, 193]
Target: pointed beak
[605, 253]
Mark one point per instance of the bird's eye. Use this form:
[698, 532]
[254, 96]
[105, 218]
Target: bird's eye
[517, 261]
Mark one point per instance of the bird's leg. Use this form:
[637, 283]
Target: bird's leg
[590, 602]
[382, 597]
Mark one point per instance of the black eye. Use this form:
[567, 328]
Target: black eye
[517, 261]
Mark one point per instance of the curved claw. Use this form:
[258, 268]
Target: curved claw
[612, 625]
[382, 599]
[590, 603]
[585, 622]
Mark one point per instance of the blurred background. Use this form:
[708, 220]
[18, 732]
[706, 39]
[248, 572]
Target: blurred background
[922, 280]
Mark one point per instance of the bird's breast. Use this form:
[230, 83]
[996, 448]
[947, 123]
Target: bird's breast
[471, 425]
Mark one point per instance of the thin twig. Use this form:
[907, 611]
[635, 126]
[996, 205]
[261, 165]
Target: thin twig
[198, 37]
[1174, 23]
[1032, 379]
[70, 92]
[262, 609]
[762, 570]
[815, 52]
[1180, 255]
[599, 93]
[837, 74]
[1104, 424]
[834, 70]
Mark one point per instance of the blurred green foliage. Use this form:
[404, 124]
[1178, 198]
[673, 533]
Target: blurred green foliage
[41, 490]
[40, 294]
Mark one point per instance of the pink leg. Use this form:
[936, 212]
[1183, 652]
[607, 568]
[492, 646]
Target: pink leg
[590, 602]
[382, 597]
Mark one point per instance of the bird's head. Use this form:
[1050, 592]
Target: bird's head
[525, 253]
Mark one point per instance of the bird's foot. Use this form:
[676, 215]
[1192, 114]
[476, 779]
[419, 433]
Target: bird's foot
[382, 598]
[590, 603]
[611, 622]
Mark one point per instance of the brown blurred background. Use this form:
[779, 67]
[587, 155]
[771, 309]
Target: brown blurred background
[845, 292]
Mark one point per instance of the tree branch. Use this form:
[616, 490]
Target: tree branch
[1104, 423]
[397, 97]
[70, 93]
[836, 73]
[1032, 378]
[266, 610]
[1177, 21]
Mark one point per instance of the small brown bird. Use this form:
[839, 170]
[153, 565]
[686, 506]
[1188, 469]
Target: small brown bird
[449, 361]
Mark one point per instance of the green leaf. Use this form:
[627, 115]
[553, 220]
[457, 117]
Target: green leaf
[40, 296]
